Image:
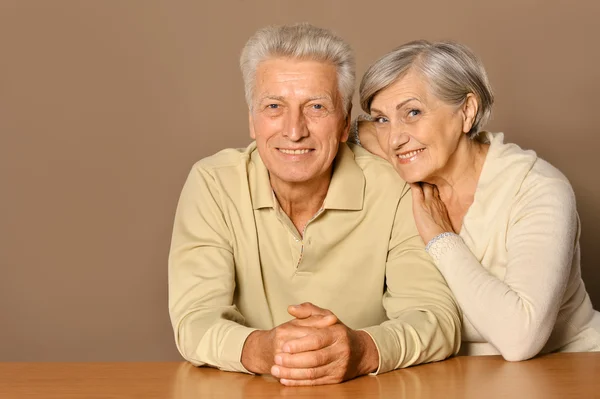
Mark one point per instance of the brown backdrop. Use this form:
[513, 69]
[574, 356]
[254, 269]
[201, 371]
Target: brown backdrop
[105, 105]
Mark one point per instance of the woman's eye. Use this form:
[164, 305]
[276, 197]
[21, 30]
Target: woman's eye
[414, 112]
[380, 119]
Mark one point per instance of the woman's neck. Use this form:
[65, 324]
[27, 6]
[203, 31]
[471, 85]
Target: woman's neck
[458, 180]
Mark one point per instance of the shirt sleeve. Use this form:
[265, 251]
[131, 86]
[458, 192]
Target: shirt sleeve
[424, 319]
[518, 314]
[209, 329]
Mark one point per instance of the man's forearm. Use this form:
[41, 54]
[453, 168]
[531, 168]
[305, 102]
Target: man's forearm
[257, 353]
[369, 355]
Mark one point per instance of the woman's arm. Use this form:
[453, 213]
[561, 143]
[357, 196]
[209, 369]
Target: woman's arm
[363, 133]
[517, 315]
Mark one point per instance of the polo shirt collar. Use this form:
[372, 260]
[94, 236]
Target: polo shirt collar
[260, 186]
[346, 189]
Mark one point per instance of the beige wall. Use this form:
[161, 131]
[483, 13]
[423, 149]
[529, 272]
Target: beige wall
[105, 105]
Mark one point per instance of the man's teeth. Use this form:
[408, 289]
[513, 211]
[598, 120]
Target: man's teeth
[410, 154]
[293, 152]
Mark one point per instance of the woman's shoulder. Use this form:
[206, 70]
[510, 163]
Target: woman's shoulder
[546, 185]
[544, 171]
[524, 165]
[514, 178]
[540, 184]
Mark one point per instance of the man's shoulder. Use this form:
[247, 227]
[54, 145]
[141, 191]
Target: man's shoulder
[378, 172]
[226, 170]
[226, 158]
[366, 160]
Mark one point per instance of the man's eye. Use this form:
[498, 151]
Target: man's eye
[380, 119]
[273, 106]
[316, 107]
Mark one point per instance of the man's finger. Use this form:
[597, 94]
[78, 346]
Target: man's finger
[305, 359]
[312, 373]
[303, 383]
[306, 309]
[311, 342]
[316, 321]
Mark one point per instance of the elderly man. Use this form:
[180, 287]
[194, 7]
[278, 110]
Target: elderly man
[298, 256]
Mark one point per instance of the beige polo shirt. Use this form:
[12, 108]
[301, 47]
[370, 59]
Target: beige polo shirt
[237, 262]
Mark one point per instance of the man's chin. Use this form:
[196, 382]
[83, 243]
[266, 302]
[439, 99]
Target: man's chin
[292, 177]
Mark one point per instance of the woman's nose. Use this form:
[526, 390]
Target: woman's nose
[398, 136]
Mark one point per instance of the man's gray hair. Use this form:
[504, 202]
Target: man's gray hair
[299, 41]
[452, 71]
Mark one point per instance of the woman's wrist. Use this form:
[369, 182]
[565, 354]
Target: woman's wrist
[441, 244]
[437, 238]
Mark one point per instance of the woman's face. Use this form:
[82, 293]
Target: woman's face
[418, 132]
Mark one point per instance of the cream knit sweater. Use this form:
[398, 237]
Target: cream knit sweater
[515, 266]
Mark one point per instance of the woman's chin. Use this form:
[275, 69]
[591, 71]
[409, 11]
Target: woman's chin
[410, 177]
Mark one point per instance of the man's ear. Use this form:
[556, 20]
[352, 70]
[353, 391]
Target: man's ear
[347, 125]
[251, 125]
[469, 111]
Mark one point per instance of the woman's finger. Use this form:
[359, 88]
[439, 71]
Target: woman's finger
[427, 192]
[417, 193]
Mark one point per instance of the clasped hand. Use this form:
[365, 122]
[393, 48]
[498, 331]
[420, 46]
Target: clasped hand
[314, 348]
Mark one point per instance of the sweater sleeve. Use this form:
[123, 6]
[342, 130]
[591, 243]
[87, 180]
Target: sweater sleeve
[516, 315]
[208, 327]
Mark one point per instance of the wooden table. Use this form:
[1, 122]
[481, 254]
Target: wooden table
[562, 376]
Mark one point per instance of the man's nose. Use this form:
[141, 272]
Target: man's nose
[295, 125]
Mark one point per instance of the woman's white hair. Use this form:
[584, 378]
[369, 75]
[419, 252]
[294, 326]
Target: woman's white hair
[452, 71]
[299, 41]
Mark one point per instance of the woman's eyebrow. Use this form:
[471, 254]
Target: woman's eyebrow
[402, 104]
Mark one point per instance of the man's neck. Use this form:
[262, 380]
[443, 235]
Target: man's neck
[301, 201]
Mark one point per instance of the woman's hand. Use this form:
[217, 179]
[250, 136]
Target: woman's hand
[431, 215]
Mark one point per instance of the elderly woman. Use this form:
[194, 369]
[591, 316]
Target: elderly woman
[499, 222]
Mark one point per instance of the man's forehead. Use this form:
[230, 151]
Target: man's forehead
[280, 76]
[286, 68]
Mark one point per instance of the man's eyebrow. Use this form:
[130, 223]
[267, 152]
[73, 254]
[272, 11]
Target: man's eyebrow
[402, 104]
[282, 99]
[320, 97]
[271, 97]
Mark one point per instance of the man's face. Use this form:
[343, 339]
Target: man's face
[297, 119]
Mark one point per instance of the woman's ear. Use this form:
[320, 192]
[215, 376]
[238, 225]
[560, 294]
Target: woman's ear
[469, 111]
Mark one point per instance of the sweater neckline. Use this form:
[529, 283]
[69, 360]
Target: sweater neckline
[504, 169]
